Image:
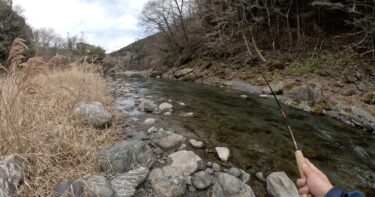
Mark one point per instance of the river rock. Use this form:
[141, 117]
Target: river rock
[235, 172]
[94, 114]
[245, 177]
[311, 92]
[209, 171]
[243, 96]
[277, 88]
[229, 186]
[201, 180]
[185, 161]
[126, 156]
[152, 130]
[279, 185]
[196, 144]
[216, 167]
[124, 185]
[183, 72]
[189, 114]
[182, 147]
[260, 177]
[149, 121]
[68, 188]
[167, 182]
[147, 105]
[223, 153]
[165, 107]
[97, 185]
[11, 174]
[167, 139]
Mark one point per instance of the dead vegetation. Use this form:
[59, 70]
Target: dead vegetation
[36, 121]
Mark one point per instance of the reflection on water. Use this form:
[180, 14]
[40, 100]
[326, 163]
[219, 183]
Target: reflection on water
[257, 137]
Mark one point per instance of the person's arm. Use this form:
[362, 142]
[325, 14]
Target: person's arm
[317, 184]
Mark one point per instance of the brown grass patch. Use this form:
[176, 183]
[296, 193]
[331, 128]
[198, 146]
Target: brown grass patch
[36, 122]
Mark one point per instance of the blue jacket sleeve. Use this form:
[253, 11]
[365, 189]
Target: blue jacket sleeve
[337, 192]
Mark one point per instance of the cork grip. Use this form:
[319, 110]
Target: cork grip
[300, 161]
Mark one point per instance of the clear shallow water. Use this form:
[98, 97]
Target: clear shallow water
[257, 137]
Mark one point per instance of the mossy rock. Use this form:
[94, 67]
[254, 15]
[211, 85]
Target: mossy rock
[319, 107]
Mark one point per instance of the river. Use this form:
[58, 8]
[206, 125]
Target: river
[255, 134]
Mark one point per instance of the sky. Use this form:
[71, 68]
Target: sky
[111, 24]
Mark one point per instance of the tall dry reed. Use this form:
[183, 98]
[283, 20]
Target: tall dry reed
[36, 122]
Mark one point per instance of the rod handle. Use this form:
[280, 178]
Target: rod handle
[300, 161]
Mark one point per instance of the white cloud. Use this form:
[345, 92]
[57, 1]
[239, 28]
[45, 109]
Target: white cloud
[112, 24]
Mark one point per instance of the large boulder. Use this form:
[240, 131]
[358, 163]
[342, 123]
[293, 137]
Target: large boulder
[229, 186]
[167, 139]
[186, 162]
[167, 182]
[11, 175]
[126, 156]
[124, 185]
[98, 186]
[94, 114]
[68, 188]
[311, 93]
[280, 185]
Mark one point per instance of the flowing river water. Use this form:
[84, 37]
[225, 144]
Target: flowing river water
[255, 134]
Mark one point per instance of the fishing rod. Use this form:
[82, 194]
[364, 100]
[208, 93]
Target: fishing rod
[298, 154]
[300, 159]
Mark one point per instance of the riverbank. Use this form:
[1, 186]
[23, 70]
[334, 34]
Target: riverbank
[42, 140]
[349, 99]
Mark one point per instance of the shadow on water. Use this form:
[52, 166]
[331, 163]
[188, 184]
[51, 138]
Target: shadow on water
[258, 139]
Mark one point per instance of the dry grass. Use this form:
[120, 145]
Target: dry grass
[17, 54]
[36, 122]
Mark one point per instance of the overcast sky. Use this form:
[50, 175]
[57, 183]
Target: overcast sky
[111, 24]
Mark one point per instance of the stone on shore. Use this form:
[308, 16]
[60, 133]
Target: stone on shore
[235, 172]
[94, 114]
[126, 156]
[186, 162]
[167, 139]
[196, 144]
[260, 177]
[167, 182]
[124, 185]
[201, 180]
[189, 114]
[229, 186]
[223, 153]
[311, 92]
[243, 96]
[11, 174]
[97, 185]
[280, 185]
[183, 72]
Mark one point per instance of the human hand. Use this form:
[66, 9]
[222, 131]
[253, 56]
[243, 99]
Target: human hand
[315, 183]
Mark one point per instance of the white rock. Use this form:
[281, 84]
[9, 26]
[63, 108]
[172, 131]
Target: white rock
[182, 104]
[189, 114]
[223, 153]
[196, 144]
[244, 96]
[149, 121]
[167, 182]
[185, 161]
[280, 185]
[152, 130]
[167, 113]
[165, 107]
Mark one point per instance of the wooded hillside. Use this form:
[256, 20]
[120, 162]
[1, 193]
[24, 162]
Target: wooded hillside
[228, 29]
